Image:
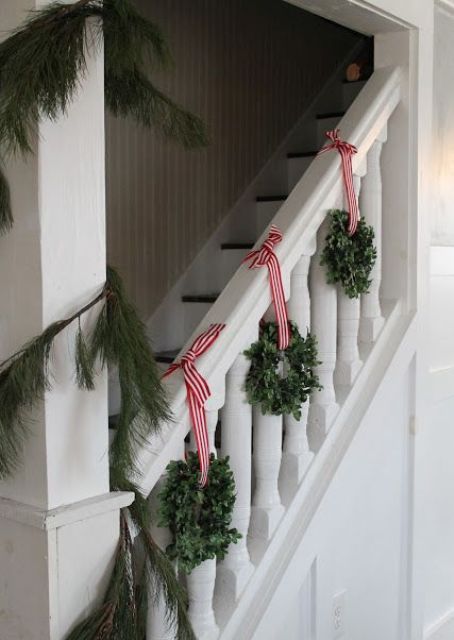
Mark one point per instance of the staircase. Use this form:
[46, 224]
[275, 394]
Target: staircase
[292, 462]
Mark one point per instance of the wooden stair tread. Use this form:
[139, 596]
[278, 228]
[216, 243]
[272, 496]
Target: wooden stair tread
[236, 245]
[271, 198]
[333, 114]
[200, 297]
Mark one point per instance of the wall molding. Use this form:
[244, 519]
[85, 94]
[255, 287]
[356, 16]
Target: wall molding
[443, 629]
[445, 5]
[68, 514]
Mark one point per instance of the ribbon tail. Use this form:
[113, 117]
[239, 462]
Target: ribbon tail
[199, 427]
[280, 308]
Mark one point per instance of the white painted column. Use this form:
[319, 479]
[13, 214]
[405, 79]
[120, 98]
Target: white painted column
[297, 455]
[236, 569]
[58, 521]
[267, 508]
[371, 208]
[348, 362]
[323, 407]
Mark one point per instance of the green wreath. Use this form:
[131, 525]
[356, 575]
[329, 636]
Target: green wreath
[199, 519]
[349, 259]
[281, 393]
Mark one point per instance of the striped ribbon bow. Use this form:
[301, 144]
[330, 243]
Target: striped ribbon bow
[265, 256]
[346, 151]
[197, 393]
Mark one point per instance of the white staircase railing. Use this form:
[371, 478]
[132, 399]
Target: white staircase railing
[279, 463]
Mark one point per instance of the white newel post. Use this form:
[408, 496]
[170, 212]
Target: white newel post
[323, 407]
[371, 208]
[235, 570]
[297, 455]
[59, 524]
[348, 362]
[267, 508]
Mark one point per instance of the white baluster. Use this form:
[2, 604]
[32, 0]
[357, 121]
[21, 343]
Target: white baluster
[236, 419]
[371, 208]
[297, 455]
[267, 507]
[200, 583]
[323, 407]
[348, 314]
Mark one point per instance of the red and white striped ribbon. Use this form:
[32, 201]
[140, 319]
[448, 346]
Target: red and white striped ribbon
[265, 256]
[346, 151]
[197, 393]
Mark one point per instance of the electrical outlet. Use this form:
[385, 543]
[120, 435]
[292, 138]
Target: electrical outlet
[339, 615]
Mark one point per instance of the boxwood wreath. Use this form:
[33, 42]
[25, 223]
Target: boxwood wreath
[198, 518]
[281, 381]
[56, 38]
[349, 260]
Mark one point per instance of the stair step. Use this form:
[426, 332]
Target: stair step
[301, 154]
[166, 357]
[235, 246]
[205, 298]
[334, 114]
[271, 198]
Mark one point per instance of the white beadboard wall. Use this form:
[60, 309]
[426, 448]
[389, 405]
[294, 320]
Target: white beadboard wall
[248, 68]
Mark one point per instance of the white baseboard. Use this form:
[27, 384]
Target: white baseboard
[443, 629]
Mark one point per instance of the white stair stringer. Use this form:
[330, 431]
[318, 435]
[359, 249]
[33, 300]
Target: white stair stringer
[390, 355]
[241, 305]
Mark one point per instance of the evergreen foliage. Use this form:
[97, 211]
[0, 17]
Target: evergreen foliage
[6, 216]
[349, 260]
[56, 39]
[123, 613]
[198, 518]
[281, 381]
[118, 339]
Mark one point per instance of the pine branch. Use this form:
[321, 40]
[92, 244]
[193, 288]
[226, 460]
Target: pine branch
[116, 618]
[120, 341]
[159, 575]
[24, 378]
[129, 93]
[6, 216]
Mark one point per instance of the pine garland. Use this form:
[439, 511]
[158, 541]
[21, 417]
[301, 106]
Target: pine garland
[56, 39]
[349, 260]
[281, 381]
[119, 340]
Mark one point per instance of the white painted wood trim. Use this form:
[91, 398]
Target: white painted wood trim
[247, 296]
[442, 260]
[445, 5]
[48, 520]
[441, 384]
[443, 629]
[393, 352]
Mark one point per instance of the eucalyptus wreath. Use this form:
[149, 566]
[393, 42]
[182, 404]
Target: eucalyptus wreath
[281, 381]
[198, 518]
[349, 260]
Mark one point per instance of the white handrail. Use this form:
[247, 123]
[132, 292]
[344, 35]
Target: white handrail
[246, 297]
